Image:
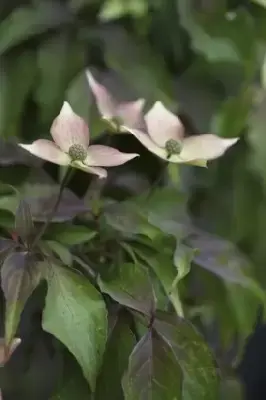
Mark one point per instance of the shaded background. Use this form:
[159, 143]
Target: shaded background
[205, 59]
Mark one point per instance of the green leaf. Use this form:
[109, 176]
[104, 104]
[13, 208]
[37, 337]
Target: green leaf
[9, 203]
[25, 22]
[23, 222]
[221, 258]
[59, 60]
[119, 346]
[219, 38]
[232, 117]
[61, 251]
[20, 275]
[127, 217]
[164, 268]
[144, 67]
[75, 314]
[129, 284]
[15, 90]
[215, 49]
[81, 100]
[263, 72]
[73, 384]
[257, 139]
[71, 235]
[260, 2]
[153, 372]
[6, 246]
[182, 260]
[114, 9]
[200, 379]
[232, 389]
[166, 209]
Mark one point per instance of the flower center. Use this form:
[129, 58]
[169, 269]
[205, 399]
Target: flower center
[115, 124]
[172, 147]
[77, 152]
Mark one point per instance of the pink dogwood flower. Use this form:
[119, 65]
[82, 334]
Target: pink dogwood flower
[71, 146]
[117, 113]
[165, 137]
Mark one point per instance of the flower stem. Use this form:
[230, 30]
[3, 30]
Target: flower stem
[63, 184]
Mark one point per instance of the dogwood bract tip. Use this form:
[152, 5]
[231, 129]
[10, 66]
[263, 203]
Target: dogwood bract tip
[129, 113]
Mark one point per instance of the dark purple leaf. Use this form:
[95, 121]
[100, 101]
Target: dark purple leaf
[6, 245]
[20, 275]
[153, 371]
[41, 193]
[219, 256]
[23, 222]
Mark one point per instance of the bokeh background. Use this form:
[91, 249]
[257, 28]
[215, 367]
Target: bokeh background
[206, 61]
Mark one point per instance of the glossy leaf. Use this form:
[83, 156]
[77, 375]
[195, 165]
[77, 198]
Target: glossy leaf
[75, 314]
[130, 285]
[200, 379]
[153, 371]
[20, 275]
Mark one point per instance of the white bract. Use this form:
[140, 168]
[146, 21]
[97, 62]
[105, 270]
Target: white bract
[117, 113]
[71, 146]
[165, 137]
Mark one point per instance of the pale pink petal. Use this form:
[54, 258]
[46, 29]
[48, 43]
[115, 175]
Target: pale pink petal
[205, 147]
[47, 150]
[14, 345]
[105, 102]
[131, 114]
[145, 139]
[105, 156]
[69, 128]
[163, 125]
[101, 172]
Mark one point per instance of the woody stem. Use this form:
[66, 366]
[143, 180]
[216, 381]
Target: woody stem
[51, 215]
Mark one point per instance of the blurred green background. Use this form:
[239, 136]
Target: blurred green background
[205, 59]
